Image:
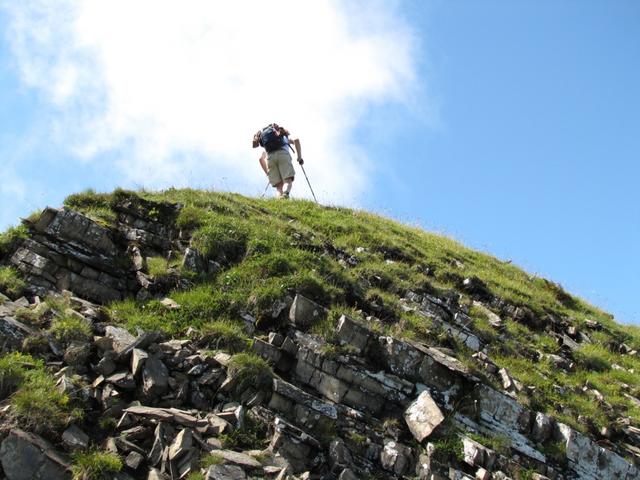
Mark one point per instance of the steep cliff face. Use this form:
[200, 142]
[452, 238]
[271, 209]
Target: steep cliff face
[190, 334]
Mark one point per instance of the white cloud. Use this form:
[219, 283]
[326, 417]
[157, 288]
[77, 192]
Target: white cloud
[175, 90]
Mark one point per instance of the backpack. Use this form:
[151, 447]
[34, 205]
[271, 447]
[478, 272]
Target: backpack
[272, 137]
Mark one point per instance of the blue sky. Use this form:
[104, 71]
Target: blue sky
[511, 126]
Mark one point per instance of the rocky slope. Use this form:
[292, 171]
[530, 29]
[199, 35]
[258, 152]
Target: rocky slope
[149, 336]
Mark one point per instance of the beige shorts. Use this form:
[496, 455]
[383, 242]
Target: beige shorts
[279, 166]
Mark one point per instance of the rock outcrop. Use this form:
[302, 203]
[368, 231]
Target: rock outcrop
[361, 404]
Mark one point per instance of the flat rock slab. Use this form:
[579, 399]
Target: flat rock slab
[423, 416]
[168, 415]
[26, 456]
[226, 472]
[121, 338]
[237, 458]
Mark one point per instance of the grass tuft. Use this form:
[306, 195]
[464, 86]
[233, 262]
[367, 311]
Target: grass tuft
[70, 327]
[37, 404]
[250, 370]
[224, 335]
[10, 282]
[10, 239]
[95, 465]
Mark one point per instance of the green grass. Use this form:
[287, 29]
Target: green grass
[70, 327]
[595, 357]
[96, 206]
[250, 370]
[224, 335]
[272, 250]
[211, 459]
[10, 239]
[14, 367]
[190, 218]
[252, 436]
[95, 465]
[36, 403]
[499, 444]
[10, 282]
[160, 267]
[449, 448]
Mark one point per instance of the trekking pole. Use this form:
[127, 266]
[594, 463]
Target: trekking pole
[265, 190]
[308, 183]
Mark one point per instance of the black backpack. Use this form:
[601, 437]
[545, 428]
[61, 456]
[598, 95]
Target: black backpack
[272, 138]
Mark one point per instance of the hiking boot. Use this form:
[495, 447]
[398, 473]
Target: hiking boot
[285, 195]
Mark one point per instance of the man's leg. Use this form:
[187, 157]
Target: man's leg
[279, 188]
[287, 186]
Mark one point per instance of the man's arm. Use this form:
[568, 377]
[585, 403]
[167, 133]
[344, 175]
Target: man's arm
[296, 144]
[263, 162]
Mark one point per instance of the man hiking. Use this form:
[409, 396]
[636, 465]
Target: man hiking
[275, 159]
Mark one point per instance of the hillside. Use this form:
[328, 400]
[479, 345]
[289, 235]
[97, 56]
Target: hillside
[191, 334]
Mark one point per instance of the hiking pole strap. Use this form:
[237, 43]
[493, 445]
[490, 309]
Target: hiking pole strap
[308, 183]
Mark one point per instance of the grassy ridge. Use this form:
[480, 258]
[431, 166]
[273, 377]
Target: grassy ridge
[351, 260]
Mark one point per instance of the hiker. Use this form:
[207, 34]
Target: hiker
[275, 159]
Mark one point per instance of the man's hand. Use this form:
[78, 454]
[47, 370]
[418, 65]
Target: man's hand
[301, 161]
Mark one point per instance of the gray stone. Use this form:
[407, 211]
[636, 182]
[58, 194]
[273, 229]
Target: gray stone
[423, 416]
[142, 341]
[339, 455]
[139, 262]
[155, 377]
[26, 456]
[121, 338]
[180, 444]
[423, 466]
[134, 460]
[497, 407]
[482, 474]
[347, 474]
[293, 393]
[77, 354]
[13, 333]
[225, 472]
[509, 383]
[237, 458]
[494, 320]
[543, 427]
[301, 451]
[477, 455]
[159, 446]
[193, 261]
[107, 364]
[401, 358]
[267, 351]
[155, 474]
[591, 461]
[75, 439]
[396, 458]
[138, 357]
[276, 339]
[561, 362]
[122, 380]
[290, 347]
[354, 334]
[305, 312]
[172, 415]
[170, 304]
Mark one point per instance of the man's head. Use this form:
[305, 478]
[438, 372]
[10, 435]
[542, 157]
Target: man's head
[256, 139]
